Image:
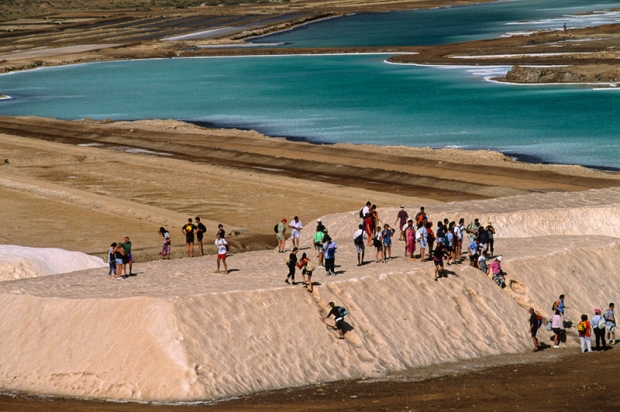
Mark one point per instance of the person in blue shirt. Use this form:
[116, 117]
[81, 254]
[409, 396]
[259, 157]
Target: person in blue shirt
[330, 256]
[386, 234]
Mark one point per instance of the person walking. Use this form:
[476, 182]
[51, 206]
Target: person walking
[611, 324]
[200, 231]
[410, 240]
[438, 260]
[534, 324]
[222, 251]
[291, 263]
[165, 237]
[330, 256]
[585, 331]
[318, 237]
[598, 326]
[422, 238]
[360, 244]
[307, 268]
[377, 242]
[401, 221]
[556, 327]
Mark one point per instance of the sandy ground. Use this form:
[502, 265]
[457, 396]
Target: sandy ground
[88, 183]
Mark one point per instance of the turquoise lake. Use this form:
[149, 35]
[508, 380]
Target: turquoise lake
[355, 98]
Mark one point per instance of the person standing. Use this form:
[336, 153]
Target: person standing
[221, 231]
[165, 237]
[438, 260]
[473, 228]
[189, 229]
[112, 260]
[585, 331]
[360, 245]
[491, 234]
[422, 238]
[291, 263]
[611, 324]
[296, 228]
[534, 329]
[320, 227]
[128, 259]
[330, 256]
[222, 250]
[556, 327]
[401, 220]
[387, 234]
[318, 237]
[377, 242]
[410, 237]
[339, 314]
[420, 217]
[121, 267]
[472, 249]
[281, 235]
[458, 230]
[200, 231]
[599, 332]
[307, 268]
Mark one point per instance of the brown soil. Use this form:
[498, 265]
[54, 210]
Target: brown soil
[532, 382]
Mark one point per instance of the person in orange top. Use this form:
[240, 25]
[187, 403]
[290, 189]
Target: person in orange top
[585, 331]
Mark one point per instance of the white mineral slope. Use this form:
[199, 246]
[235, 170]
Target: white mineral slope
[179, 332]
[17, 262]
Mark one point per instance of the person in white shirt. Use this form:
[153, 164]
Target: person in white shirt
[421, 237]
[358, 239]
[222, 250]
[296, 228]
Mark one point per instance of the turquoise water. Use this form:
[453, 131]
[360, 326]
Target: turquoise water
[353, 98]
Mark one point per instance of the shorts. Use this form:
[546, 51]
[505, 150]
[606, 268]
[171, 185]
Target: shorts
[295, 234]
[221, 256]
[359, 248]
[389, 243]
[449, 248]
[199, 236]
[534, 332]
[339, 323]
[474, 257]
[438, 262]
[610, 328]
[126, 259]
[422, 243]
[557, 331]
[189, 239]
[279, 236]
[129, 257]
[119, 261]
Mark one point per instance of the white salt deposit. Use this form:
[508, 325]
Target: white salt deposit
[179, 332]
[17, 262]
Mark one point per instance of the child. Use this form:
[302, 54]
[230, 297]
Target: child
[112, 260]
[585, 331]
[386, 234]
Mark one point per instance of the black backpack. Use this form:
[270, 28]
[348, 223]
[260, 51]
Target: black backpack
[275, 228]
[362, 213]
[359, 241]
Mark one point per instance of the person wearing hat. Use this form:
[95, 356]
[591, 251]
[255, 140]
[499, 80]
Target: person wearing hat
[597, 321]
[490, 231]
[320, 227]
[401, 219]
[281, 235]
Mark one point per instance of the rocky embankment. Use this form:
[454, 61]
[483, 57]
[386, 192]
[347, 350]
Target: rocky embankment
[564, 74]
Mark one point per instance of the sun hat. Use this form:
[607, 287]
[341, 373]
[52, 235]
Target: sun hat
[319, 220]
[499, 258]
[284, 219]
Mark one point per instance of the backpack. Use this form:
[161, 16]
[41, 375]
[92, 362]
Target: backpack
[166, 235]
[342, 312]
[362, 213]
[309, 267]
[538, 321]
[359, 241]
[275, 228]
[555, 305]
[287, 259]
[581, 327]
[601, 323]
